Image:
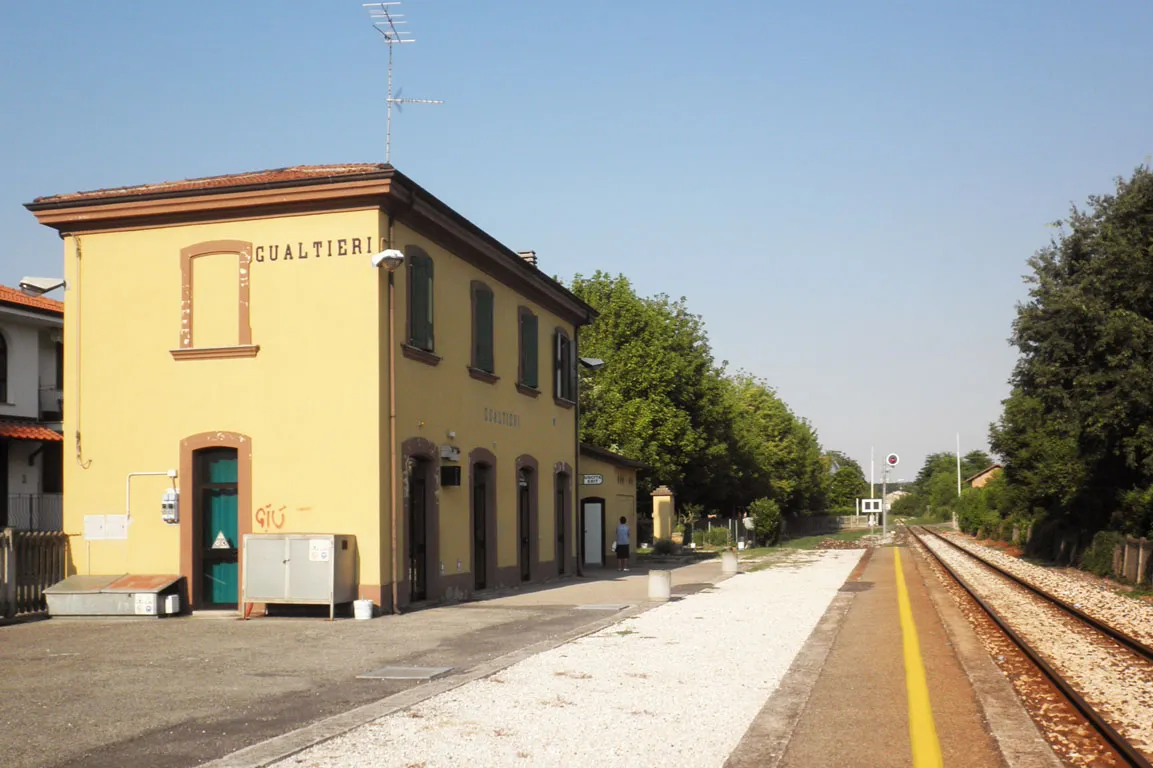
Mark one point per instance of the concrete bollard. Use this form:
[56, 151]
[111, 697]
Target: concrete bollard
[728, 561]
[660, 585]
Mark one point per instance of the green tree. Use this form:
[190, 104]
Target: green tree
[1076, 432]
[844, 483]
[780, 453]
[766, 515]
[661, 398]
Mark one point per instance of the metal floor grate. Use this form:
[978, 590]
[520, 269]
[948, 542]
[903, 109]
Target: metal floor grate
[405, 673]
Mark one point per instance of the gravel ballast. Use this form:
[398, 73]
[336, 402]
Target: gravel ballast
[1112, 679]
[1134, 617]
[631, 694]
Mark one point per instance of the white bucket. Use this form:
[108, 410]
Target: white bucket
[362, 609]
[740, 545]
[660, 585]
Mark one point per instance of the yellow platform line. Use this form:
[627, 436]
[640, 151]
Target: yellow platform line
[922, 730]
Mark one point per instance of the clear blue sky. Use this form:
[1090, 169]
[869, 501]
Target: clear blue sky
[847, 192]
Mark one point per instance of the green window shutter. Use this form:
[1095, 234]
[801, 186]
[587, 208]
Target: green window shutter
[529, 351]
[420, 309]
[483, 354]
[557, 367]
[572, 370]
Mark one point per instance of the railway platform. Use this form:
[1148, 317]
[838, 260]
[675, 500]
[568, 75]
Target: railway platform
[893, 676]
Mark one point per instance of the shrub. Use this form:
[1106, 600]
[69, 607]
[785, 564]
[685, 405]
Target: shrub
[716, 537]
[1098, 556]
[766, 515]
[663, 547]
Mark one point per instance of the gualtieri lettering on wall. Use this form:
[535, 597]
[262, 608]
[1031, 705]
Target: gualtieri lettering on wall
[503, 418]
[317, 249]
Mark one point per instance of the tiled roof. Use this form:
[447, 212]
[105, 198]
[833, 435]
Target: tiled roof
[14, 296]
[22, 430]
[276, 175]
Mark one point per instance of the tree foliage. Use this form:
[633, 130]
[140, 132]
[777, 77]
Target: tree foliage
[934, 490]
[844, 483]
[1076, 432]
[718, 440]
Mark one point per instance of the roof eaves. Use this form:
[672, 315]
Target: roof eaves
[92, 198]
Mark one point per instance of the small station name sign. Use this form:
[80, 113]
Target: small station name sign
[592, 479]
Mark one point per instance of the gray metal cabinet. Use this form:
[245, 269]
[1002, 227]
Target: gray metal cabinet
[299, 568]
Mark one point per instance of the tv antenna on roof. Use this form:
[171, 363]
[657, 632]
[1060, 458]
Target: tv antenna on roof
[386, 21]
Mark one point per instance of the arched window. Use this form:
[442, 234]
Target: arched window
[3, 369]
[420, 309]
[222, 320]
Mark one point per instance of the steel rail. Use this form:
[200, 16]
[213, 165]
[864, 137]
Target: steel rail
[1132, 643]
[1115, 740]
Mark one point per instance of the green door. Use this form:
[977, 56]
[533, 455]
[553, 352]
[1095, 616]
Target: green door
[216, 499]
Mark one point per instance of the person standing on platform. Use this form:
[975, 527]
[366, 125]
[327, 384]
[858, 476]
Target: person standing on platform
[623, 545]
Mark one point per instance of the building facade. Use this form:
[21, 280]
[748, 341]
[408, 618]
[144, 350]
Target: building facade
[242, 332]
[608, 492]
[31, 401]
[984, 476]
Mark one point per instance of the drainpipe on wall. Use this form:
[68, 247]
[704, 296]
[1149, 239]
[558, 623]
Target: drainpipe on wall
[393, 481]
[79, 450]
[577, 457]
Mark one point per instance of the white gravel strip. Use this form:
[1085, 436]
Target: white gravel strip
[677, 685]
[1134, 617]
[1117, 682]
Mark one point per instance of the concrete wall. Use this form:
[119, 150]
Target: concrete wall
[22, 335]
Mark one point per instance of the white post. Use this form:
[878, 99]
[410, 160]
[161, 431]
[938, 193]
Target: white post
[958, 463]
[872, 482]
[884, 506]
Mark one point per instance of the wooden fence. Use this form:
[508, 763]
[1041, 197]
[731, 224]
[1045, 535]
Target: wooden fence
[30, 562]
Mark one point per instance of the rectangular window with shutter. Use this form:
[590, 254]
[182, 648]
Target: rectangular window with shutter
[482, 328]
[420, 309]
[529, 374]
[564, 371]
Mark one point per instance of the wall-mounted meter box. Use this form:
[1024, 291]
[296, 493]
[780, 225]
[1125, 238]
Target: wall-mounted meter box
[169, 508]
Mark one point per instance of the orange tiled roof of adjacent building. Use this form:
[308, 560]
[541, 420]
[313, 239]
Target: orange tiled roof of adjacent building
[16, 430]
[14, 296]
[295, 173]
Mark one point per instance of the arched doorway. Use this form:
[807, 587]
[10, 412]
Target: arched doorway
[417, 528]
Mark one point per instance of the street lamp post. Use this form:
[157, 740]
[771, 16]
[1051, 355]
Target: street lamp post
[38, 286]
[593, 364]
[390, 260]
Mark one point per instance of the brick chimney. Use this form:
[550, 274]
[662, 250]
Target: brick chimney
[529, 256]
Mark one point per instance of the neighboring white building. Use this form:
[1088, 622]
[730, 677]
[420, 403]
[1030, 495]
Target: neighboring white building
[892, 496]
[31, 411]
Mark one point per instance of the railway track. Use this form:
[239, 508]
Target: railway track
[1124, 651]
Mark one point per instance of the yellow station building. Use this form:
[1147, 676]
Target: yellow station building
[239, 331]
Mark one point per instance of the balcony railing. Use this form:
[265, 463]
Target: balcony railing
[35, 512]
[51, 403]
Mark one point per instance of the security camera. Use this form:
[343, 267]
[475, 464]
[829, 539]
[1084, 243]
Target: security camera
[38, 286]
[389, 259]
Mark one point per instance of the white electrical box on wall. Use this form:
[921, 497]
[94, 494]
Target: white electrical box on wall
[169, 508]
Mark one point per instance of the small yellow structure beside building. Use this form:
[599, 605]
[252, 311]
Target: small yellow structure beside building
[239, 331]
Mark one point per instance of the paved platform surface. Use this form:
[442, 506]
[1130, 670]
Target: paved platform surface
[183, 691]
[846, 700]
